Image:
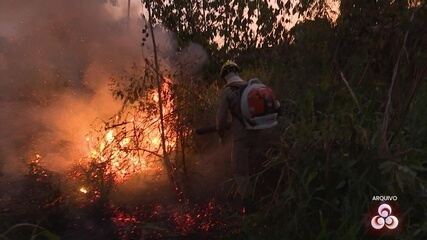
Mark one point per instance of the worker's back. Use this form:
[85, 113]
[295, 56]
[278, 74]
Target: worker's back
[230, 101]
[248, 145]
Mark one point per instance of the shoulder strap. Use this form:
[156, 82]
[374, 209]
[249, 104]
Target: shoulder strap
[237, 114]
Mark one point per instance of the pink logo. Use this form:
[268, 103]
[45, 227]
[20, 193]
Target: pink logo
[384, 218]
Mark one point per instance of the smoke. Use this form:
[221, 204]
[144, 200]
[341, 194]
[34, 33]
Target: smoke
[56, 60]
[174, 60]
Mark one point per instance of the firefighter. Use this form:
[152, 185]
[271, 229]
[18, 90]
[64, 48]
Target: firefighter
[247, 145]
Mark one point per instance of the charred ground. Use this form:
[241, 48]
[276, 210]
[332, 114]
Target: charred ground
[74, 81]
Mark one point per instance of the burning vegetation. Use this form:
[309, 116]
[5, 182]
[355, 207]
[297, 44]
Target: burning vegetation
[100, 133]
[127, 146]
[129, 143]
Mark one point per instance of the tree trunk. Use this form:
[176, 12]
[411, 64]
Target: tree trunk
[166, 162]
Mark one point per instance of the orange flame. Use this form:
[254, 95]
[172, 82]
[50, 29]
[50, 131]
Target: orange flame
[133, 145]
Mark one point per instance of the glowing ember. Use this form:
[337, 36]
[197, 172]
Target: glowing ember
[156, 97]
[109, 137]
[83, 190]
[36, 170]
[185, 220]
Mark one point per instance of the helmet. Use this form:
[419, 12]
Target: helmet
[227, 67]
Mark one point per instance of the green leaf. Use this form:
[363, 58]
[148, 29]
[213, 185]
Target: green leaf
[49, 235]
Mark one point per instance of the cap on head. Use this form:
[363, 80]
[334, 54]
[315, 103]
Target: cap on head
[227, 67]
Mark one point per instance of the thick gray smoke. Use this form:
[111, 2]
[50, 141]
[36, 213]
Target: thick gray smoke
[56, 60]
